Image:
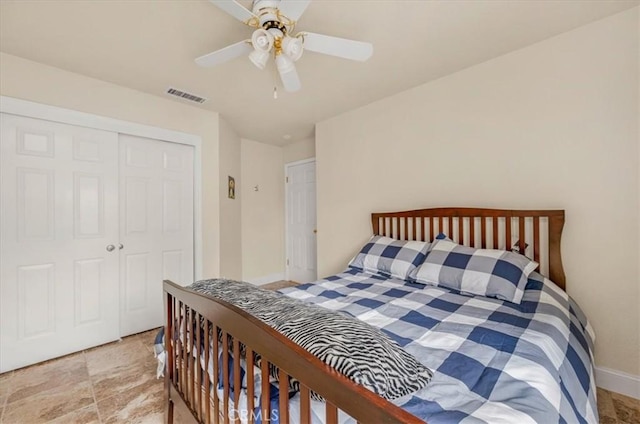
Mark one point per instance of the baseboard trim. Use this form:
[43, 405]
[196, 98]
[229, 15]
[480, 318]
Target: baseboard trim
[618, 381]
[260, 281]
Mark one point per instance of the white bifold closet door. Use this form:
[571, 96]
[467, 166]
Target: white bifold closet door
[91, 223]
[156, 227]
[59, 291]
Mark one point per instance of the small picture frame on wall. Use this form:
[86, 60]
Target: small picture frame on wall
[232, 187]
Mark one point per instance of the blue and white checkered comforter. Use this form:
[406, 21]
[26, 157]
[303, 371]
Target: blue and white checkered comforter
[493, 361]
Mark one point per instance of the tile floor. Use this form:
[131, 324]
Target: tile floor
[116, 383]
[279, 285]
[615, 408]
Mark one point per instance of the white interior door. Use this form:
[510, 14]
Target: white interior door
[59, 203]
[301, 221]
[156, 233]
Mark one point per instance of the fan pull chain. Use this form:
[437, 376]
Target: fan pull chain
[275, 92]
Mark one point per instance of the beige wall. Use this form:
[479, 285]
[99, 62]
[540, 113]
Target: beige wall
[553, 125]
[300, 150]
[262, 210]
[32, 81]
[230, 209]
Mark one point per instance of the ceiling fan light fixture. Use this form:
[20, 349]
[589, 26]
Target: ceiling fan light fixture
[292, 47]
[284, 64]
[262, 40]
[288, 73]
[259, 58]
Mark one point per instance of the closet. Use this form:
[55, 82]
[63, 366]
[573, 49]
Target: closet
[91, 223]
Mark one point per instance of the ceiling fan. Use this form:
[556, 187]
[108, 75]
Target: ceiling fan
[274, 22]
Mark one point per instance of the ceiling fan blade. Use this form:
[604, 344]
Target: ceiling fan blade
[293, 9]
[235, 9]
[335, 46]
[226, 54]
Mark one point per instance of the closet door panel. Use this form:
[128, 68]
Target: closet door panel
[59, 200]
[156, 192]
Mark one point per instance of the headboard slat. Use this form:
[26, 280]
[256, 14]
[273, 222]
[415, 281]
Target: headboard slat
[552, 237]
[414, 224]
[433, 226]
[522, 245]
[536, 238]
[483, 231]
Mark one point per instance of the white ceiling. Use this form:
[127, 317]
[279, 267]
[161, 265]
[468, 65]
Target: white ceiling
[150, 45]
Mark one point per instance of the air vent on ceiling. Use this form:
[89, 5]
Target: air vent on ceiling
[184, 95]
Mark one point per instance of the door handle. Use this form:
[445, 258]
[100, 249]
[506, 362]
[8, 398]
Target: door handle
[110, 248]
[315, 231]
[120, 246]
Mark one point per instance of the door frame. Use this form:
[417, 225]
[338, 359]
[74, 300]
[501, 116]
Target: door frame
[286, 211]
[30, 109]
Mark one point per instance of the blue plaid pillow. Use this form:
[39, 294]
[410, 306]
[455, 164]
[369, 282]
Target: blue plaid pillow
[484, 272]
[390, 257]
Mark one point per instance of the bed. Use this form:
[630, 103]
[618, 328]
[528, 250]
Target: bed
[492, 360]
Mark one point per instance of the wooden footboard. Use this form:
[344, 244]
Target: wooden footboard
[187, 382]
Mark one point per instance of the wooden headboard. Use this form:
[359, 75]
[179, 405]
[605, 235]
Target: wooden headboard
[484, 228]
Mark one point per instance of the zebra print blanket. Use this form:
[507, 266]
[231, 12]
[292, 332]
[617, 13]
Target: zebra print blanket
[354, 348]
